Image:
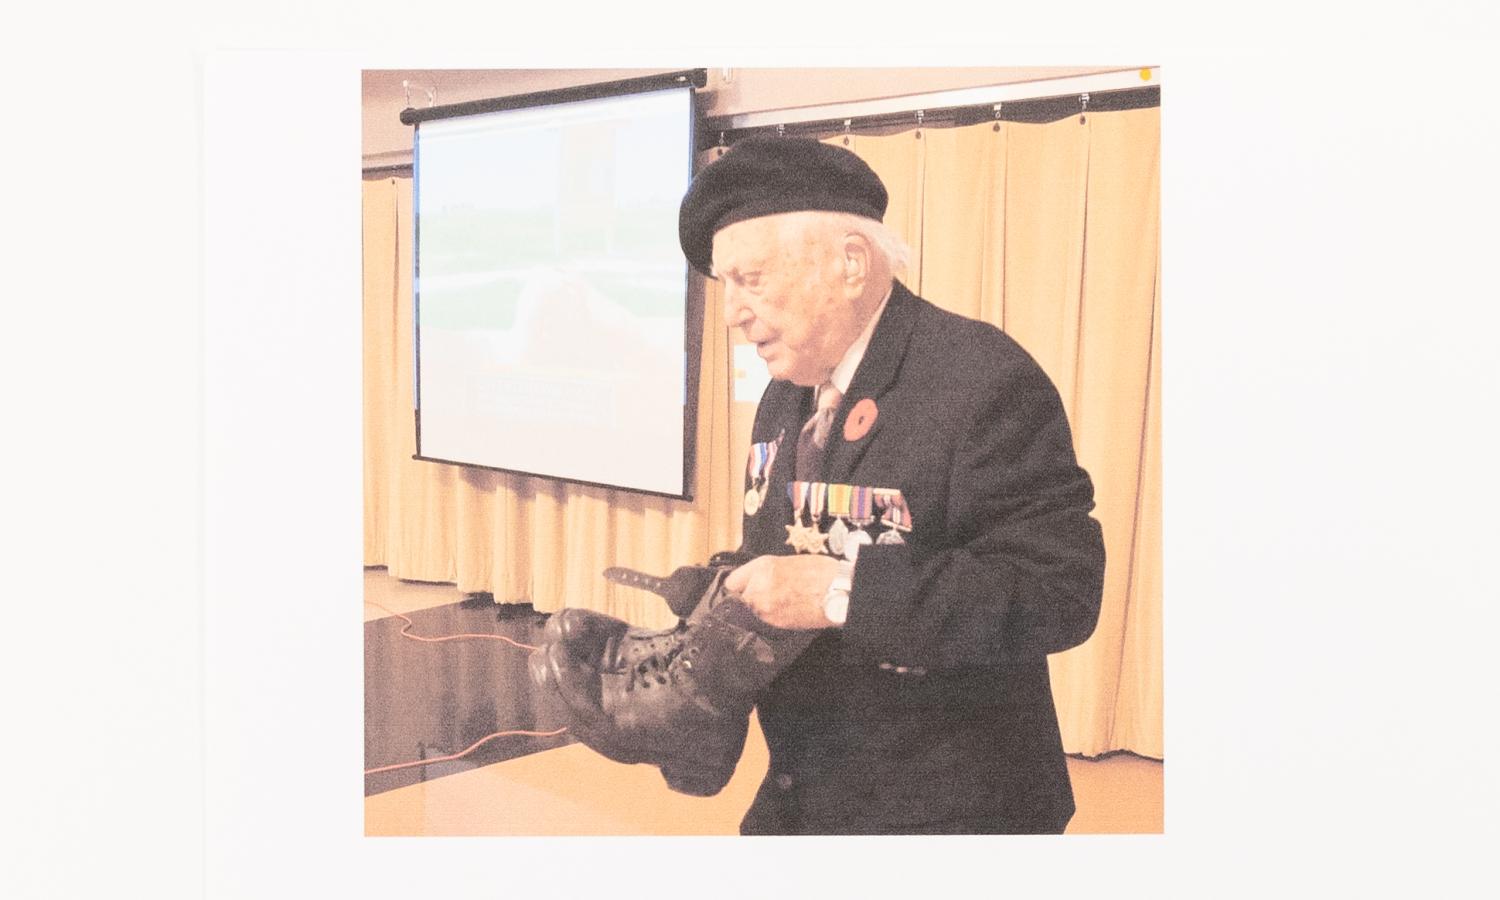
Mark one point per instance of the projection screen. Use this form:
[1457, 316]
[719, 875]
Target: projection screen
[552, 335]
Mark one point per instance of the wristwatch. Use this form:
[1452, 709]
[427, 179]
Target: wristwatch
[836, 600]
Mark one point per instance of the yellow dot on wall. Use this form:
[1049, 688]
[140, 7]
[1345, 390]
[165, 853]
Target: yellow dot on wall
[1145, 74]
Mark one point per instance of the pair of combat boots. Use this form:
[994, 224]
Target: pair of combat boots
[679, 698]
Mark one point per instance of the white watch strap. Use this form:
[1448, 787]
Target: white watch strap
[836, 600]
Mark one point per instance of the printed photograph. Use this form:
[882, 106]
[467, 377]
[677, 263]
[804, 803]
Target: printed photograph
[762, 451]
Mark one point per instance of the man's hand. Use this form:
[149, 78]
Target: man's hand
[785, 591]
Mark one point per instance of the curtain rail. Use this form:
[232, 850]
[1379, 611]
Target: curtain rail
[1032, 110]
[952, 99]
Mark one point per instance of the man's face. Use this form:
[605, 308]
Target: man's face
[784, 288]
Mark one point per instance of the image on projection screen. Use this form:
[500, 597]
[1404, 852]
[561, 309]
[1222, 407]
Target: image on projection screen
[551, 290]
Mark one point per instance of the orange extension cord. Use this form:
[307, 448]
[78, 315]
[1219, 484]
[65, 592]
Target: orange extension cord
[406, 632]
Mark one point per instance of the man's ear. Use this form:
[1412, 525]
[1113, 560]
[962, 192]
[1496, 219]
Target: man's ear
[858, 256]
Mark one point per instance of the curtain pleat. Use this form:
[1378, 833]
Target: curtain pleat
[380, 264]
[1049, 231]
[963, 218]
[422, 520]
[1138, 703]
[474, 522]
[1045, 189]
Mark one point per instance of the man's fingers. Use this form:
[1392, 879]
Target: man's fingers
[737, 580]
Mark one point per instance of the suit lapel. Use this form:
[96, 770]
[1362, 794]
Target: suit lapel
[877, 370]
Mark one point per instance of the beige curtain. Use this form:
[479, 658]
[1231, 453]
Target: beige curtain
[1048, 231]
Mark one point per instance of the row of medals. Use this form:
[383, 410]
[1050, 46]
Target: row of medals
[838, 540]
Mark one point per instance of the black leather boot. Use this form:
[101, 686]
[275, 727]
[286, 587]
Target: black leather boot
[679, 698]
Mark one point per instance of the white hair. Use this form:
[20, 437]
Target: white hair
[883, 240]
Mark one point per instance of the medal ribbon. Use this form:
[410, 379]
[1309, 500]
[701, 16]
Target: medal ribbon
[896, 514]
[818, 490]
[861, 514]
[797, 491]
[839, 497]
[762, 458]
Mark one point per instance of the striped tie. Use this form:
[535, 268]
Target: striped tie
[813, 441]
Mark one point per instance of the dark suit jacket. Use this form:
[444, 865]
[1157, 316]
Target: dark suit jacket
[931, 710]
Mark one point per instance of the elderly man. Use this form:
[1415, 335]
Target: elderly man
[917, 539]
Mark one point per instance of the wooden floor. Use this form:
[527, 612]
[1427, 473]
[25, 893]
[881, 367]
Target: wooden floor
[571, 790]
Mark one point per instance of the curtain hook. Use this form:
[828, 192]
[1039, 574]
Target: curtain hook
[780, 129]
[997, 115]
[721, 146]
[1083, 110]
[846, 131]
[919, 123]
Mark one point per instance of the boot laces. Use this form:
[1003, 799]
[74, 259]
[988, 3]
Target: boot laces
[658, 665]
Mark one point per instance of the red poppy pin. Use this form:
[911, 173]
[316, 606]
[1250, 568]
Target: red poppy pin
[861, 419]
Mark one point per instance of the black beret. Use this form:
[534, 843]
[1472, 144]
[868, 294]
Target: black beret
[762, 176]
